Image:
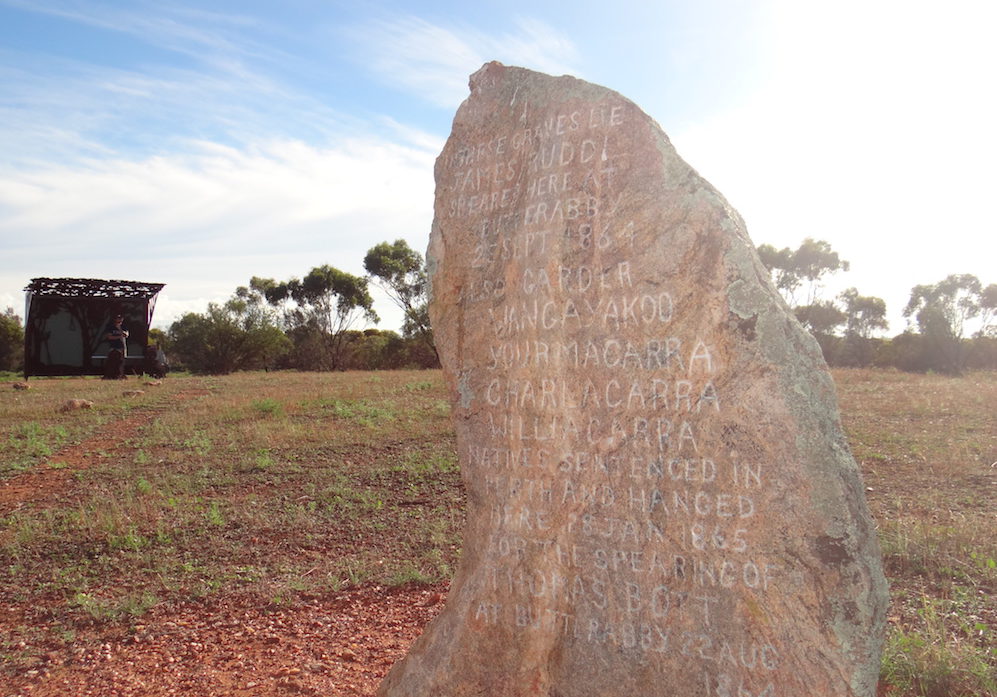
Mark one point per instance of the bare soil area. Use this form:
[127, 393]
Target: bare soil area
[342, 644]
[261, 535]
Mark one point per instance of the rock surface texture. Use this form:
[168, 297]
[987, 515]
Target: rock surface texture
[660, 496]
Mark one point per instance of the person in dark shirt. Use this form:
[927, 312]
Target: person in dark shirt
[117, 339]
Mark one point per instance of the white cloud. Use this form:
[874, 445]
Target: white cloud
[207, 220]
[198, 176]
[59, 110]
[171, 73]
[206, 36]
[434, 62]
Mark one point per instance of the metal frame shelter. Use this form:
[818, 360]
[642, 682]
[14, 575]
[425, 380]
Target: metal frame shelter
[66, 318]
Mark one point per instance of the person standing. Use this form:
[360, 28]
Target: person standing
[117, 339]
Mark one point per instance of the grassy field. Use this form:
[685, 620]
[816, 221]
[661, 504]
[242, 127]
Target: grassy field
[275, 488]
[927, 446]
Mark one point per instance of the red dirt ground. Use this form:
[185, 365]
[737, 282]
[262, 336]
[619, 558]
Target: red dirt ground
[342, 644]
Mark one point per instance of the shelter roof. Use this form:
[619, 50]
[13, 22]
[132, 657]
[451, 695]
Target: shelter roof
[92, 288]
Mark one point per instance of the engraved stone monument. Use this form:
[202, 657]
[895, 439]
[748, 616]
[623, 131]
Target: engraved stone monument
[661, 500]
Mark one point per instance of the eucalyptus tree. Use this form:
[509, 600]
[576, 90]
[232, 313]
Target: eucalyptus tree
[810, 262]
[988, 311]
[319, 310]
[941, 312]
[400, 272]
[864, 314]
[946, 306]
[11, 341]
[227, 337]
[822, 317]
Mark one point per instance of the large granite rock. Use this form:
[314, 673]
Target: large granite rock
[660, 497]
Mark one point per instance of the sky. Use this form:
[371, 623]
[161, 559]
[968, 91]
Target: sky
[199, 144]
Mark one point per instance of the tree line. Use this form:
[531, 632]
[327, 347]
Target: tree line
[939, 315]
[312, 323]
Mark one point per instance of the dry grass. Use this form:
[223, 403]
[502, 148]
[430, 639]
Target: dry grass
[270, 485]
[279, 486]
[927, 445]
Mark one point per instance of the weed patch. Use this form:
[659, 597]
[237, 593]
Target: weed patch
[361, 412]
[29, 443]
[925, 661]
[102, 610]
[268, 407]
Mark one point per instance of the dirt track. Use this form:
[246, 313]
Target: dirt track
[341, 644]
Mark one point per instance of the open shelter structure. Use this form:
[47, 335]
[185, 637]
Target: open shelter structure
[66, 319]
